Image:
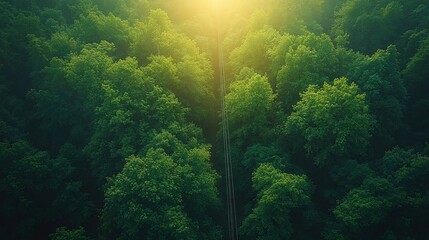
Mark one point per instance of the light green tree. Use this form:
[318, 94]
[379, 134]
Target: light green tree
[333, 121]
[254, 51]
[277, 194]
[249, 103]
[161, 197]
[143, 201]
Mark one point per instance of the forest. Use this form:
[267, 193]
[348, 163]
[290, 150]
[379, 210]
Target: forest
[111, 127]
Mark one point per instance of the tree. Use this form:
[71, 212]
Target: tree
[163, 70]
[156, 36]
[249, 103]
[390, 197]
[38, 192]
[184, 143]
[346, 176]
[299, 61]
[65, 234]
[415, 82]
[278, 194]
[131, 10]
[254, 51]
[147, 199]
[258, 154]
[191, 74]
[73, 9]
[379, 78]
[295, 16]
[194, 88]
[14, 58]
[407, 169]
[143, 200]
[42, 51]
[95, 26]
[363, 22]
[333, 121]
[67, 95]
[132, 109]
[368, 204]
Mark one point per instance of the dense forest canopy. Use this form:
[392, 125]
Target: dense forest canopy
[110, 119]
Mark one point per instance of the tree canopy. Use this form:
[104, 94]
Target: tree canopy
[111, 119]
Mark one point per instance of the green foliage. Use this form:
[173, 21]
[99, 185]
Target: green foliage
[37, 191]
[126, 9]
[333, 121]
[64, 234]
[299, 61]
[258, 154]
[145, 200]
[163, 70]
[67, 95]
[199, 191]
[14, 57]
[194, 88]
[191, 75]
[95, 26]
[249, 103]
[347, 176]
[379, 78]
[368, 204]
[295, 16]
[407, 170]
[146, 209]
[359, 25]
[390, 198]
[154, 36]
[278, 194]
[124, 92]
[253, 52]
[372, 25]
[128, 112]
[415, 81]
[73, 9]
[60, 45]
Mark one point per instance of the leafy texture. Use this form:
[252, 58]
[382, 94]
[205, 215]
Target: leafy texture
[278, 194]
[333, 121]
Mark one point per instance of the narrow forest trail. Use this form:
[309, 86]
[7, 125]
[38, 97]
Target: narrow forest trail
[229, 176]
